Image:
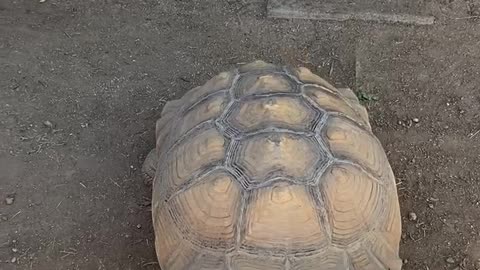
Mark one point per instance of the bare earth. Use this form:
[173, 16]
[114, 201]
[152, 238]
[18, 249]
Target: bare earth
[82, 83]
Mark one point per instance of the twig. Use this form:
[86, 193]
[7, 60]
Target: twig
[474, 134]
[150, 263]
[466, 18]
[331, 68]
[116, 184]
[18, 213]
[59, 204]
[82, 185]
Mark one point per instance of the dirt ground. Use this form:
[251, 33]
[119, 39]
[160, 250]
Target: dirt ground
[82, 83]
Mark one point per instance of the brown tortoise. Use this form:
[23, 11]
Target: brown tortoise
[271, 168]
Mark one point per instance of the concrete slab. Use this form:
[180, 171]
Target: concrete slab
[399, 11]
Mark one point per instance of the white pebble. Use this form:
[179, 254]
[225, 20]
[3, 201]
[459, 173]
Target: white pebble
[416, 120]
[412, 216]
[9, 200]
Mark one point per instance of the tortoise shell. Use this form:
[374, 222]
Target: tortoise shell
[272, 168]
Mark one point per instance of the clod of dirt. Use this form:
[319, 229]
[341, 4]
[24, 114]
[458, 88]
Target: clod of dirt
[450, 260]
[430, 206]
[412, 216]
[9, 200]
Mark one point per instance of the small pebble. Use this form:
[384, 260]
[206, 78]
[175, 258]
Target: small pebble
[139, 226]
[48, 124]
[42, 1]
[405, 261]
[450, 260]
[416, 120]
[412, 216]
[14, 250]
[13, 260]
[430, 205]
[9, 200]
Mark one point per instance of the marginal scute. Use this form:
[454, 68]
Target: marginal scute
[269, 155]
[222, 81]
[353, 201]
[173, 251]
[208, 211]
[348, 141]
[208, 261]
[361, 257]
[328, 259]
[256, 262]
[257, 66]
[332, 102]
[306, 76]
[384, 251]
[283, 216]
[273, 112]
[263, 84]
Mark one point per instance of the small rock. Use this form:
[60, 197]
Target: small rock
[43, 1]
[430, 205]
[412, 216]
[9, 200]
[14, 250]
[48, 124]
[4, 218]
[399, 122]
[13, 260]
[450, 260]
[405, 261]
[139, 226]
[416, 120]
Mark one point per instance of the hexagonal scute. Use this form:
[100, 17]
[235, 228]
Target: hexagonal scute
[254, 84]
[270, 155]
[283, 217]
[354, 202]
[286, 112]
[207, 212]
[332, 102]
[348, 141]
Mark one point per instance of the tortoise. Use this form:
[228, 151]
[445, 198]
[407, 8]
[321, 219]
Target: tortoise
[269, 167]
